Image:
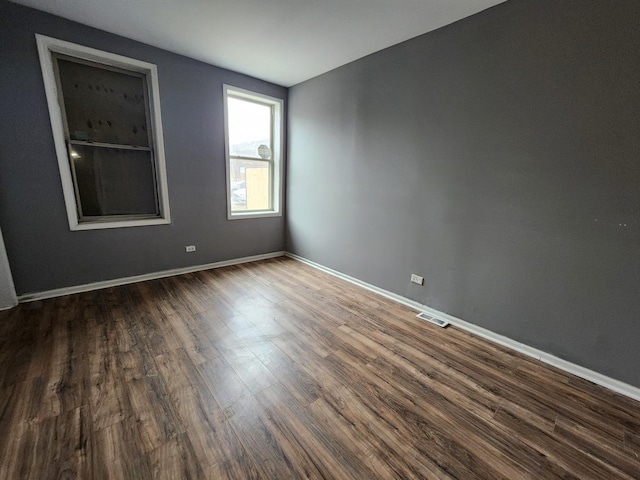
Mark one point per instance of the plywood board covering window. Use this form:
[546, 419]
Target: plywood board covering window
[105, 116]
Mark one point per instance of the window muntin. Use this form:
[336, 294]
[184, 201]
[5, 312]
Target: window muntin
[105, 117]
[253, 126]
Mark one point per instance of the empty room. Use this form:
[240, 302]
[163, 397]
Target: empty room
[348, 239]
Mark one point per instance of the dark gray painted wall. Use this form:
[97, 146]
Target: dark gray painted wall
[43, 252]
[500, 158]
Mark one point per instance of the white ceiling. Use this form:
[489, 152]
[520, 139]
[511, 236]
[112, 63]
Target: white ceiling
[282, 41]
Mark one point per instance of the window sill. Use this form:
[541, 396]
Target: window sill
[120, 224]
[240, 215]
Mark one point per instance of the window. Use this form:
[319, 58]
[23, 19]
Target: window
[105, 117]
[253, 129]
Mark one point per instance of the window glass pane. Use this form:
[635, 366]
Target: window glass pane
[103, 105]
[249, 129]
[114, 182]
[250, 185]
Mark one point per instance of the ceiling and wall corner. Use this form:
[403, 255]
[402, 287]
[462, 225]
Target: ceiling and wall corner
[281, 41]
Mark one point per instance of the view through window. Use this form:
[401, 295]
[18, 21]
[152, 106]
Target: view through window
[253, 152]
[250, 152]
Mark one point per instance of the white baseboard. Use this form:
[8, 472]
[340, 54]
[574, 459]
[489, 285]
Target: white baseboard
[582, 372]
[30, 297]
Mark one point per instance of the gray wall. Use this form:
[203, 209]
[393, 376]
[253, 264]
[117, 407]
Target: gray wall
[499, 157]
[43, 252]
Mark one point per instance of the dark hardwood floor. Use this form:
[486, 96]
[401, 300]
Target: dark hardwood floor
[276, 370]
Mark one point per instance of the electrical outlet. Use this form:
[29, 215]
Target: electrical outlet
[190, 248]
[417, 279]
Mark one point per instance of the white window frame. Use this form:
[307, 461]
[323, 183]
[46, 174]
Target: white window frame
[48, 46]
[277, 120]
